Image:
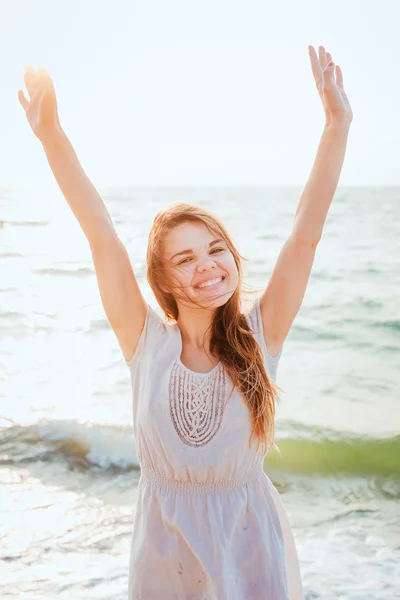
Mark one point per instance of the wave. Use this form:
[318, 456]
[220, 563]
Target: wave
[85, 444]
[5, 255]
[22, 223]
[76, 272]
[306, 450]
[389, 324]
[335, 453]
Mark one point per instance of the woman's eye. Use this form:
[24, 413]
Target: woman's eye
[185, 260]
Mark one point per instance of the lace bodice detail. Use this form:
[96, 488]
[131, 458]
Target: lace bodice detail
[196, 403]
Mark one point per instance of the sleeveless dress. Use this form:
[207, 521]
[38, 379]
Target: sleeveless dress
[209, 523]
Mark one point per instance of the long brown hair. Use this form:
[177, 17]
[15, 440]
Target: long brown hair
[231, 340]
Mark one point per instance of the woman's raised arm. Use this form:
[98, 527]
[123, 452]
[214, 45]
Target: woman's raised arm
[122, 299]
[283, 296]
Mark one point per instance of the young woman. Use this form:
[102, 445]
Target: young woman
[209, 523]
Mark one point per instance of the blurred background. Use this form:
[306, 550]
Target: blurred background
[212, 103]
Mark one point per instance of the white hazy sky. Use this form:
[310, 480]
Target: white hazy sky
[210, 92]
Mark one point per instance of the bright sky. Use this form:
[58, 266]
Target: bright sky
[210, 92]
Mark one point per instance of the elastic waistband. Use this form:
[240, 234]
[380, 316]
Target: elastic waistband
[206, 487]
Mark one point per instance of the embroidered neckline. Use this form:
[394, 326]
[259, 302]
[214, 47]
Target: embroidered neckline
[196, 403]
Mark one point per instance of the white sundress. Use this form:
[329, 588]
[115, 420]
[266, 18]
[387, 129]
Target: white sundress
[209, 523]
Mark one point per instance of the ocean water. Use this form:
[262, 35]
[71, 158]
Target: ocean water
[68, 469]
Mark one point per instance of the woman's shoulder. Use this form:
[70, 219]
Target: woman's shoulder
[251, 311]
[156, 331]
[254, 319]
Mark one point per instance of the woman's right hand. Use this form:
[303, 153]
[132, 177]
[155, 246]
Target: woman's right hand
[41, 110]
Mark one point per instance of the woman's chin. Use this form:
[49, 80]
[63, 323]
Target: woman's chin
[213, 300]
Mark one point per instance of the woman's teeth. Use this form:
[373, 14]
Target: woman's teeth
[211, 283]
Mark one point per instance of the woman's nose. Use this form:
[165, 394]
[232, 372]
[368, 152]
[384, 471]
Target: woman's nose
[207, 265]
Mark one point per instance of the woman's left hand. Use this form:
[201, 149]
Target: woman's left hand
[333, 97]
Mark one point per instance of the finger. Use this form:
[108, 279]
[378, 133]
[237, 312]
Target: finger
[30, 82]
[328, 58]
[339, 77]
[23, 101]
[38, 93]
[322, 57]
[43, 74]
[328, 74]
[315, 66]
[29, 68]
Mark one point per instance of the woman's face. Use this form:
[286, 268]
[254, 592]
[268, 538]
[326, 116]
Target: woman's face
[193, 256]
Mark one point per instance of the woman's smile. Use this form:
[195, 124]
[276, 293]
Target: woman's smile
[209, 285]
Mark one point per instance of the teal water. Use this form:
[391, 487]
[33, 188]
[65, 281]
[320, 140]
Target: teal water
[67, 458]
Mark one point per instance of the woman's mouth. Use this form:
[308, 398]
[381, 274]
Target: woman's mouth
[211, 284]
